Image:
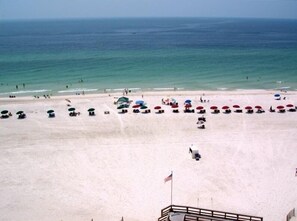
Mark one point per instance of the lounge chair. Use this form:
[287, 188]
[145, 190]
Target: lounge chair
[51, 115]
[202, 119]
[250, 111]
[202, 111]
[22, 116]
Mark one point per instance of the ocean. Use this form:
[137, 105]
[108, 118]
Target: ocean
[105, 55]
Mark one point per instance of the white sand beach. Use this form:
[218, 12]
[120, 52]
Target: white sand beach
[112, 165]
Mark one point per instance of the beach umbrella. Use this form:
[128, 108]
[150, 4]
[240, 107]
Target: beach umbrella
[289, 105]
[213, 107]
[143, 107]
[277, 95]
[280, 107]
[136, 106]
[258, 107]
[248, 108]
[19, 112]
[140, 102]
[91, 110]
[236, 106]
[121, 106]
[50, 111]
[71, 109]
[4, 112]
[157, 108]
[174, 106]
[199, 108]
[188, 105]
[123, 99]
[188, 101]
[225, 107]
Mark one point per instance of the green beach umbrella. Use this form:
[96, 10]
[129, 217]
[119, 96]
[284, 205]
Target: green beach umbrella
[50, 111]
[4, 112]
[123, 99]
[143, 107]
[19, 112]
[91, 109]
[71, 109]
[121, 106]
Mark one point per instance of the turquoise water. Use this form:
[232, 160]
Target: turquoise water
[146, 54]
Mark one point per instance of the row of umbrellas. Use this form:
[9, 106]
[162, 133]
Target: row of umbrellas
[5, 112]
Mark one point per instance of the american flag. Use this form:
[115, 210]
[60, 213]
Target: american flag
[168, 178]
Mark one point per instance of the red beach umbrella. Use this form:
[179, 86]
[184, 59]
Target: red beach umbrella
[157, 108]
[280, 107]
[248, 108]
[236, 106]
[289, 105]
[213, 107]
[136, 106]
[258, 107]
[199, 108]
[188, 105]
[225, 107]
[174, 106]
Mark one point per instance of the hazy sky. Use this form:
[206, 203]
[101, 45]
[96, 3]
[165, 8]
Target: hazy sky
[35, 9]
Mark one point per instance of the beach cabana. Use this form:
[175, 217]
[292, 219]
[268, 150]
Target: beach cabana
[159, 109]
[136, 108]
[215, 109]
[174, 108]
[281, 109]
[291, 107]
[51, 113]
[72, 112]
[259, 109]
[122, 100]
[249, 109]
[4, 114]
[145, 109]
[237, 108]
[91, 111]
[226, 109]
[200, 109]
[188, 105]
[277, 96]
[123, 108]
[188, 101]
[21, 115]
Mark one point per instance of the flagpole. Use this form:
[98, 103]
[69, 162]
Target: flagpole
[171, 185]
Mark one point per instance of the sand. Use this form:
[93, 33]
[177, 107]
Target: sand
[108, 166]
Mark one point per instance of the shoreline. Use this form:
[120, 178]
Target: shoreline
[152, 93]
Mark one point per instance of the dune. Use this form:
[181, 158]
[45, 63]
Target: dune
[109, 166]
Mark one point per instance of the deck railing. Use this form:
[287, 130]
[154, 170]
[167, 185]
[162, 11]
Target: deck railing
[198, 214]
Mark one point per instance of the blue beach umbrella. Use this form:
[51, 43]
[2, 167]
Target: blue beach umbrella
[140, 102]
[277, 95]
[188, 101]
